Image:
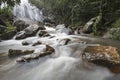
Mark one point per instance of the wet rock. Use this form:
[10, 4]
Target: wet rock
[25, 43]
[43, 34]
[41, 26]
[88, 26]
[8, 35]
[20, 35]
[76, 30]
[65, 41]
[37, 43]
[28, 32]
[47, 51]
[20, 25]
[107, 56]
[14, 52]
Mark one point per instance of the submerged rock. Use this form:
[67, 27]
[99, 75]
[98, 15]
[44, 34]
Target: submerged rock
[47, 51]
[25, 43]
[14, 52]
[37, 43]
[28, 32]
[43, 34]
[64, 41]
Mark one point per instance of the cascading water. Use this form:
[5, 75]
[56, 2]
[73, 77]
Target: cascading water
[64, 64]
[26, 10]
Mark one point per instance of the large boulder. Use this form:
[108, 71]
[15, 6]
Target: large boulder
[15, 52]
[36, 55]
[108, 55]
[20, 25]
[20, 35]
[28, 32]
[88, 26]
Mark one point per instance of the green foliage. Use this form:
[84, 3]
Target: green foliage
[6, 11]
[6, 6]
[115, 30]
[77, 12]
[10, 3]
[72, 11]
[116, 23]
[116, 36]
[9, 28]
[115, 33]
[96, 23]
[38, 3]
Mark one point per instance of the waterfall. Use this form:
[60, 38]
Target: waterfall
[26, 10]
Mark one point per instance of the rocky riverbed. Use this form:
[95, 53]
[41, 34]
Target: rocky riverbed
[39, 49]
[42, 52]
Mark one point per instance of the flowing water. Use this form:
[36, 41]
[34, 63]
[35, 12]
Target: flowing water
[64, 64]
[26, 10]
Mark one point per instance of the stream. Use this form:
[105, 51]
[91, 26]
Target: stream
[64, 64]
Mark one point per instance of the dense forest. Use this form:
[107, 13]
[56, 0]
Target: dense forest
[77, 13]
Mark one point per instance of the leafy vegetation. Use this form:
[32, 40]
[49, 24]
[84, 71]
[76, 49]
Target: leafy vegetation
[9, 28]
[5, 14]
[78, 12]
[6, 6]
[9, 2]
[115, 30]
[6, 11]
